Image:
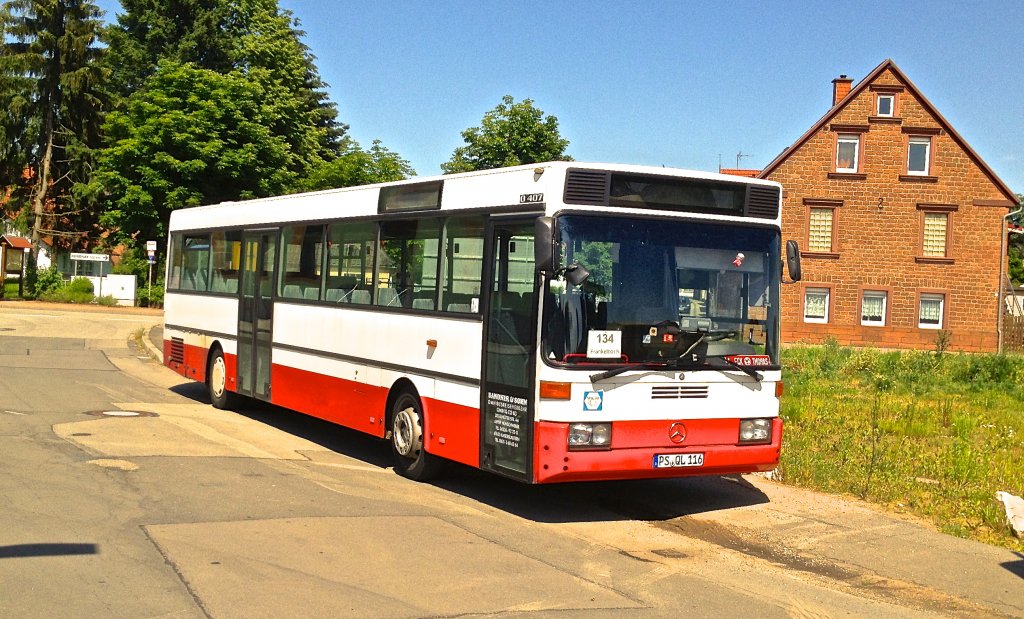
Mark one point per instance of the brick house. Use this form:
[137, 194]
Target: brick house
[900, 223]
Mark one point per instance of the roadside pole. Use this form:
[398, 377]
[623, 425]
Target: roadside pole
[151, 259]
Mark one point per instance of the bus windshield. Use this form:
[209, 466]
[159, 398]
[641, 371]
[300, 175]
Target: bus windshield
[658, 289]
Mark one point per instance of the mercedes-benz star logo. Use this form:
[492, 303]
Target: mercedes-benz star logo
[677, 432]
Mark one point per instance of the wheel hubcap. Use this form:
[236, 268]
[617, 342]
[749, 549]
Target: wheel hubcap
[407, 435]
[218, 376]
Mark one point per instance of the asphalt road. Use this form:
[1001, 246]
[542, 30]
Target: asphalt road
[180, 510]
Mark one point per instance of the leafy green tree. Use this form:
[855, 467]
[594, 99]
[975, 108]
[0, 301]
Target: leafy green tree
[182, 31]
[171, 146]
[510, 134]
[254, 38]
[359, 167]
[268, 48]
[51, 110]
[191, 137]
[1016, 248]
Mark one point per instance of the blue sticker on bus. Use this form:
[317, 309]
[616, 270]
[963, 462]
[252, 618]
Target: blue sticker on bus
[593, 400]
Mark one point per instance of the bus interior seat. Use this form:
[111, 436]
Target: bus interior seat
[202, 279]
[219, 284]
[334, 295]
[423, 303]
[292, 291]
[311, 294]
[359, 297]
[390, 297]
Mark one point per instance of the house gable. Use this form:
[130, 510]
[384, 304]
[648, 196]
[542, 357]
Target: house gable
[894, 215]
[913, 111]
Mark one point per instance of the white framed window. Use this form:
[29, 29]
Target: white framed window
[930, 311]
[816, 302]
[819, 230]
[872, 308]
[919, 155]
[886, 105]
[847, 152]
[936, 226]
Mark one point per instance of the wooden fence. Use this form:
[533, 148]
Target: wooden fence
[1013, 333]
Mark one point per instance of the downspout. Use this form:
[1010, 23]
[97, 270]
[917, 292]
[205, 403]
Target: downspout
[1003, 275]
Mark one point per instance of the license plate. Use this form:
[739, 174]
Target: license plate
[665, 461]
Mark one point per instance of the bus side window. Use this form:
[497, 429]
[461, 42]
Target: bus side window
[350, 262]
[302, 262]
[195, 273]
[408, 262]
[226, 253]
[175, 260]
[462, 267]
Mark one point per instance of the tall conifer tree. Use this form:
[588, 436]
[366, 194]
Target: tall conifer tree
[50, 112]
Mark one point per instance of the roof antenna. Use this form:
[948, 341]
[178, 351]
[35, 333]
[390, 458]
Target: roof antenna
[739, 156]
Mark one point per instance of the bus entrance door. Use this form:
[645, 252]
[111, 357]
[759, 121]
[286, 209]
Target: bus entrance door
[507, 390]
[256, 313]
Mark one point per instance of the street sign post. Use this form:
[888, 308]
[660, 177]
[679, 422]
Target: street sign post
[151, 259]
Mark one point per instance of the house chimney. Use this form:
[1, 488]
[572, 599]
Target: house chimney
[840, 88]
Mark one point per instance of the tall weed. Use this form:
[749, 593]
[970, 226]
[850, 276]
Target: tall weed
[934, 433]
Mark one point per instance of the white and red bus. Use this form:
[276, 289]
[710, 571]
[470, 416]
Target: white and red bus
[551, 322]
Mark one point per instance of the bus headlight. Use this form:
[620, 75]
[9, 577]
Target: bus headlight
[590, 436]
[755, 431]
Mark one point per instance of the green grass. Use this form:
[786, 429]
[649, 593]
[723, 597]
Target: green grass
[931, 434]
[11, 289]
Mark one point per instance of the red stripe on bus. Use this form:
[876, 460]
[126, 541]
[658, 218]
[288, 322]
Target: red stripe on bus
[344, 402]
[195, 359]
[452, 431]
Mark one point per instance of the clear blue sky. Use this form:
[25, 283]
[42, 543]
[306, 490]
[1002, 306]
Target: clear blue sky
[673, 83]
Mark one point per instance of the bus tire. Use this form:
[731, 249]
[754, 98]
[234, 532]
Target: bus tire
[411, 458]
[217, 381]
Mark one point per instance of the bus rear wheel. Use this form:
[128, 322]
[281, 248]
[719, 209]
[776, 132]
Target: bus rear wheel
[217, 381]
[411, 459]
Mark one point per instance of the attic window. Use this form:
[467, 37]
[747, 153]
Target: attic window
[886, 105]
[847, 148]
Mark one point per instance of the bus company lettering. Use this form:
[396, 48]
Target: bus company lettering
[751, 360]
[509, 411]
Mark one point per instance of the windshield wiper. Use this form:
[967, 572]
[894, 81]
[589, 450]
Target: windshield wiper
[749, 371]
[625, 368]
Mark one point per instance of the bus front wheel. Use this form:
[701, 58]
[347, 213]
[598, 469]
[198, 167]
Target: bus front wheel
[411, 459]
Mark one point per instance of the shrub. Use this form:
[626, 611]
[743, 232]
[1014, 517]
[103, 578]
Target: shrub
[31, 275]
[150, 298]
[80, 285]
[48, 280]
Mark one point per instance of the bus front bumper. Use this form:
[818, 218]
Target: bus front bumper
[636, 446]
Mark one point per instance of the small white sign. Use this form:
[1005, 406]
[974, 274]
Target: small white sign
[91, 257]
[593, 401]
[150, 245]
[604, 344]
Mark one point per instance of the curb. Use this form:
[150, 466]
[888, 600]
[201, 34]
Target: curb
[148, 343]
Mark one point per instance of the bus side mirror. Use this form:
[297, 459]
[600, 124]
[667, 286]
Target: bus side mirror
[793, 260]
[545, 254]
